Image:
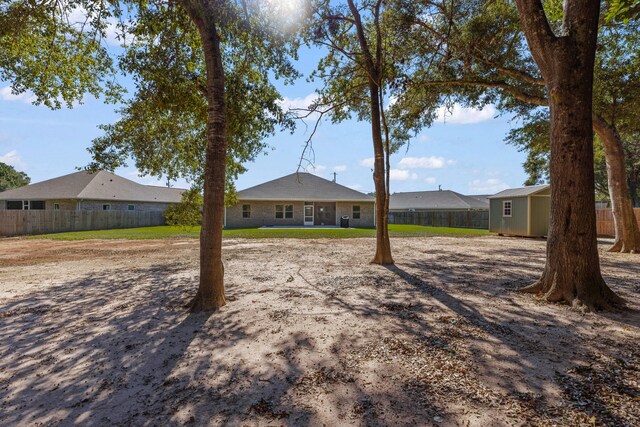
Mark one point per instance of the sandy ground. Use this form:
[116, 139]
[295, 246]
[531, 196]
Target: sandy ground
[97, 333]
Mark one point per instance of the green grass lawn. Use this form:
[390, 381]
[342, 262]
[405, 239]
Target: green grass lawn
[164, 232]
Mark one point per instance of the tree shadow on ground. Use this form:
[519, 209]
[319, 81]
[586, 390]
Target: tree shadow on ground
[534, 340]
[503, 347]
[119, 348]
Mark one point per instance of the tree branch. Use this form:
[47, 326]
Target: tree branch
[515, 92]
[538, 33]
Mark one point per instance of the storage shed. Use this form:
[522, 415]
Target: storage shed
[521, 211]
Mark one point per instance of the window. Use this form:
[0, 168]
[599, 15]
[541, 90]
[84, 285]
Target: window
[506, 208]
[284, 211]
[356, 212]
[246, 211]
[25, 204]
[131, 207]
[106, 207]
[56, 206]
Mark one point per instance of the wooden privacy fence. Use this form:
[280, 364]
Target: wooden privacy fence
[604, 221]
[456, 219]
[19, 222]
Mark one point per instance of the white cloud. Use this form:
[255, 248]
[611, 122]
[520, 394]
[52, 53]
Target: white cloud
[367, 162]
[391, 101]
[79, 19]
[459, 115]
[402, 175]
[430, 180]
[316, 169]
[6, 94]
[423, 138]
[340, 168]
[295, 103]
[428, 162]
[112, 31]
[487, 186]
[12, 158]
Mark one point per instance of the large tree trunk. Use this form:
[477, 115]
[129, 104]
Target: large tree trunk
[373, 66]
[625, 223]
[572, 271]
[383, 244]
[210, 295]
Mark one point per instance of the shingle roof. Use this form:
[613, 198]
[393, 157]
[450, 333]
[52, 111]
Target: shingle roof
[440, 199]
[521, 192]
[94, 186]
[303, 186]
[481, 197]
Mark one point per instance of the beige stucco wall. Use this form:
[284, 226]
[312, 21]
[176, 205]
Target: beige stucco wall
[65, 205]
[367, 213]
[263, 214]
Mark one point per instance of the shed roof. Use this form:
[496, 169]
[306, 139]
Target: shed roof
[440, 199]
[521, 192]
[100, 185]
[303, 186]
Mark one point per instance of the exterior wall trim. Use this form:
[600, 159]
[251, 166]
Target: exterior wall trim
[529, 208]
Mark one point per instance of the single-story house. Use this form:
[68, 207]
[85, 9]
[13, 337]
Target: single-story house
[439, 200]
[85, 191]
[300, 199]
[521, 211]
[440, 208]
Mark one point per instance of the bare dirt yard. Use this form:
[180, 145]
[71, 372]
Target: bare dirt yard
[97, 333]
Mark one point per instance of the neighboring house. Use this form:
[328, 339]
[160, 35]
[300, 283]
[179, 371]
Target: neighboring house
[300, 199]
[440, 208]
[439, 200]
[481, 197]
[521, 211]
[84, 191]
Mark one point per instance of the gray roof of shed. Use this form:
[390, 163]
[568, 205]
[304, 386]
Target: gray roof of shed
[521, 192]
[303, 186]
[94, 186]
[439, 199]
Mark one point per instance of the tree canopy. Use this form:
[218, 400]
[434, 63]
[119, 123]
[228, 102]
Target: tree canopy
[57, 50]
[163, 126]
[11, 178]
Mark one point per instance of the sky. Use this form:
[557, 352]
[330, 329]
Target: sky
[463, 151]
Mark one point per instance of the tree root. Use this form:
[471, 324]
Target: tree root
[617, 246]
[620, 246]
[535, 288]
[382, 260]
[604, 300]
[200, 303]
